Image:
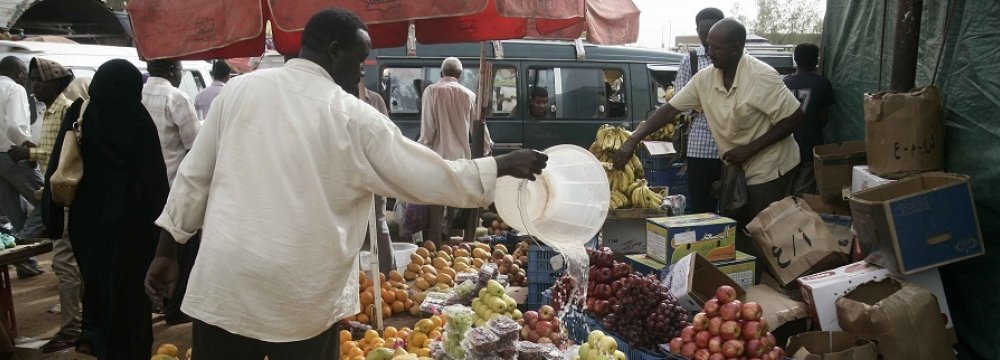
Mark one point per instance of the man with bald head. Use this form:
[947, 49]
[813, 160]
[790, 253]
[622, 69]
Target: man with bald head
[751, 114]
[448, 112]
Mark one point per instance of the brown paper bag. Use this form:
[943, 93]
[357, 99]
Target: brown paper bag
[794, 241]
[830, 345]
[904, 132]
[903, 318]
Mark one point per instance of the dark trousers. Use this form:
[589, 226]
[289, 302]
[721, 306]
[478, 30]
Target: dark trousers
[214, 343]
[701, 174]
[759, 197]
[186, 255]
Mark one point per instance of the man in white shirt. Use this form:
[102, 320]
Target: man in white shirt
[220, 75]
[447, 112]
[19, 178]
[281, 180]
[177, 124]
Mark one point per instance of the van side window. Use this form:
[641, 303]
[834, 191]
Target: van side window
[403, 87]
[580, 93]
[191, 83]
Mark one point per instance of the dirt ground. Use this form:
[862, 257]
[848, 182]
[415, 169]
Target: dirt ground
[34, 297]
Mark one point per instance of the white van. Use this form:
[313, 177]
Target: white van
[85, 59]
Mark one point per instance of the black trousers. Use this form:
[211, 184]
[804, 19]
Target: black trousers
[214, 343]
[186, 254]
[701, 174]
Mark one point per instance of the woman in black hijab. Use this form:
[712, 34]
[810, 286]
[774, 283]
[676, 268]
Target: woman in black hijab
[123, 190]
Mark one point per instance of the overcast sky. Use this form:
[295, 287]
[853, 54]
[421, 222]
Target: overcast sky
[665, 19]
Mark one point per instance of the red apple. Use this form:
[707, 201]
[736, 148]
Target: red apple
[752, 331]
[732, 348]
[769, 341]
[730, 330]
[687, 334]
[544, 340]
[714, 325]
[533, 336]
[711, 307]
[601, 308]
[530, 317]
[701, 354]
[700, 321]
[602, 291]
[544, 328]
[717, 356]
[524, 333]
[725, 294]
[715, 344]
[777, 353]
[754, 349]
[764, 325]
[676, 344]
[731, 310]
[689, 349]
[556, 337]
[752, 311]
[546, 312]
[701, 339]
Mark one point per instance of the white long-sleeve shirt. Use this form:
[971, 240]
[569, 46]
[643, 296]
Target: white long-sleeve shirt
[177, 123]
[281, 179]
[15, 126]
[448, 111]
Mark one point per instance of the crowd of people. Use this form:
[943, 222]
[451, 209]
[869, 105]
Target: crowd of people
[243, 210]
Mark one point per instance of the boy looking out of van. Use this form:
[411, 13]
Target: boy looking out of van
[539, 108]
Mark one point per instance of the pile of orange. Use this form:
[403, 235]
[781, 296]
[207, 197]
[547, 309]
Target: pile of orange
[395, 297]
[416, 341]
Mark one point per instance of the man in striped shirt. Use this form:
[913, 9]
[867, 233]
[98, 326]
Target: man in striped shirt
[703, 164]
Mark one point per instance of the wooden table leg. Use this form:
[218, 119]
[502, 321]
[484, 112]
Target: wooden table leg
[7, 301]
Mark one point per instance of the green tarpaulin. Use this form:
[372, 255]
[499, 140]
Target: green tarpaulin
[969, 79]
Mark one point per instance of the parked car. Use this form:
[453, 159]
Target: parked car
[85, 59]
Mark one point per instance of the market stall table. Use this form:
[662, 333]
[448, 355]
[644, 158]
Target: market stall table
[11, 256]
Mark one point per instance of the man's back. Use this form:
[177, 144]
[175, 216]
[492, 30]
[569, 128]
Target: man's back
[176, 121]
[816, 95]
[203, 101]
[14, 114]
[446, 117]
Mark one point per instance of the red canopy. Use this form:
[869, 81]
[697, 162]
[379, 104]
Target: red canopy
[198, 29]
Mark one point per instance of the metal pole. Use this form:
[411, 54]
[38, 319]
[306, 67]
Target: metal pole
[904, 54]
[479, 130]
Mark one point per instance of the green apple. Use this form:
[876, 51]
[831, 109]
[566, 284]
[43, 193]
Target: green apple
[494, 288]
[516, 314]
[608, 345]
[594, 337]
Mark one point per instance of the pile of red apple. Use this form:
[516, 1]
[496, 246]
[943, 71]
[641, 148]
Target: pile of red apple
[541, 327]
[603, 281]
[727, 329]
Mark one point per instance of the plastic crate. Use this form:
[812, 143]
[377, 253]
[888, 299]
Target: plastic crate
[535, 293]
[579, 324]
[846, 221]
[639, 354]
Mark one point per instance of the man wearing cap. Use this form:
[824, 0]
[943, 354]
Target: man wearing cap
[48, 81]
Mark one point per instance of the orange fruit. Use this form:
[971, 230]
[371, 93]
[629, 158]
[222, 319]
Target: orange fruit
[367, 299]
[356, 358]
[400, 295]
[403, 334]
[423, 352]
[389, 332]
[362, 318]
[345, 336]
[362, 278]
[381, 278]
[419, 339]
[397, 307]
[408, 304]
[355, 352]
[386, 310]
[434, 335]
[438, 322]
[388, 296]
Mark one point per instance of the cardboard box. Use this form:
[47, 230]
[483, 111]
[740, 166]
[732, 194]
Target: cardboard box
[669, 239]
[820, 291]
[904, 132]
[918, 223]
[625, 236]
[833, 163]
[741, 269]
[862, 179]
[834, 207]
[837, 345]
[779, 308]
[693, 280]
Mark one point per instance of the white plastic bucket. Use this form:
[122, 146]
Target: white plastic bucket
[565, 206]
[400, 252]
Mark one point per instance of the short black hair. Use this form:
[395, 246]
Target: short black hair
[220, 70]
[806, 55]
[709, 14]
[331, 24]
[539, 91]
[11, 65]
[161, 66]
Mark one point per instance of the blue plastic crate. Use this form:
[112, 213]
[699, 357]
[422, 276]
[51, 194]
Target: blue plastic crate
[578, 325]
[535, 293]
[639, 354]
[846, 221]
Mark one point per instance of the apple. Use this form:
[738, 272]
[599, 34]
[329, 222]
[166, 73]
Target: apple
[601, 308]
[714, 325]
[700, 322]
[777, 353]
[604, 275]
[602, 291]
[702, 354]
[608, 344]
[752, 311]
[687, 334]
[618, 355]
[715, 344]
[606, 259]
[702, 338]
[524, 332]
[731, 310]
[732, 348]
[689, 349]
[752, 331]
[717, 356]
[544, 340]
[676, 344]
[530, 317]
[754, 349]
[621, 270]
[769, 341]
[556, 337]
[585, 350]
[543, 327]
[546, 312]
[711, 307]
[533, 336]
[725, 294]
[764, 325]
[730, 330]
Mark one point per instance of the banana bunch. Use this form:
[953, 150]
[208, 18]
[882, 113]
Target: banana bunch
[637, 170]
[619, 200]
[643, 197]
[610, 138]
[620, 179]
